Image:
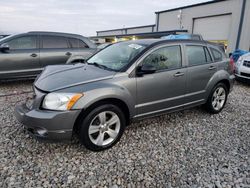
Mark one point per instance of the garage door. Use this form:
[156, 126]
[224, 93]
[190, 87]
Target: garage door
[213, 28]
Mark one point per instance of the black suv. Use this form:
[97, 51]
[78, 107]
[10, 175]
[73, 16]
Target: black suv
[25, 55]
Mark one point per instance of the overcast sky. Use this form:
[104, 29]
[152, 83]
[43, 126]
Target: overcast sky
[80, 16]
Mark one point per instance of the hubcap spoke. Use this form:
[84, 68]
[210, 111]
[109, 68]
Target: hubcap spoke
[93, 129]
[112, 133]
[214, 103]
[113, 120]
[100, 139]
[220, 91]
[219, 105]
[102, 117]
[222, 97]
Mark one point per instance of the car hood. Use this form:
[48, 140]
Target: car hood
[58, 77]
[246, 57]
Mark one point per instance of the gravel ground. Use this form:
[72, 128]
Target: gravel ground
[190, 148]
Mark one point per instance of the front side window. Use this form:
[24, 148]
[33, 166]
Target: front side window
[164, 58]
[197, 55]
[216, 54]
[54, 42]
[22, 43]
[116, 56]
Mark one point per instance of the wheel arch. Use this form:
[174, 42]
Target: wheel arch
[115, 101]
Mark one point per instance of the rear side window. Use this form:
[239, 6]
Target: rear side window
[76, 43]
[197, 55]
[22, 43]
[54, 42]
[165, 58]
[216, 54]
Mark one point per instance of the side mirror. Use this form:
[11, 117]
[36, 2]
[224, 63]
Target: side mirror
[145, 69]
[4, 47]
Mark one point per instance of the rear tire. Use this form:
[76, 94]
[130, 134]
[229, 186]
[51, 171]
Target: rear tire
[102, 127]
[217, 99]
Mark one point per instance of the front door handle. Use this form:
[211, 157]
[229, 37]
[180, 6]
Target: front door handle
[68, 54]
[33, 55]
[179, 74]
[211, 68]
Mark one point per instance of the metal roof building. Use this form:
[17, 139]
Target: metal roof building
[222, 21]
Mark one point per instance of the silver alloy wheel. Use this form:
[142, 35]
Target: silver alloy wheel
[219, 98]
[104, 128]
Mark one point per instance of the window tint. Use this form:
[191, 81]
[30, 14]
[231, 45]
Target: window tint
[54, 42]
[165, 58]
[28, 42]
[216, 54]
[76, 43]
[197, 55]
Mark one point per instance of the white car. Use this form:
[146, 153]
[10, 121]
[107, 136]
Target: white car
[242, 69]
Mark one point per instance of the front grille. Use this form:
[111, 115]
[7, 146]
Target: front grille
[246, 64]
[245, 74]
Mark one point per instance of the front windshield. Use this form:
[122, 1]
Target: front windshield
[116, 56]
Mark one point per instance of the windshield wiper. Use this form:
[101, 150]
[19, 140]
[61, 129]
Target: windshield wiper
[100, 66]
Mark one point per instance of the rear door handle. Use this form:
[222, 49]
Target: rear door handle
[211, 68]
[179, 74]
[33, 55]
[68, 54]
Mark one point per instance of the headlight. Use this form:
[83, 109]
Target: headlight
[240, 61]
[60, 101]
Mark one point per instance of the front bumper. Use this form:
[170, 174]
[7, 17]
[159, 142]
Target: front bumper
[45, 124]
[242, 72]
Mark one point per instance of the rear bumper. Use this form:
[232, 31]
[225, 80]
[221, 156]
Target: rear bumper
[45, 124]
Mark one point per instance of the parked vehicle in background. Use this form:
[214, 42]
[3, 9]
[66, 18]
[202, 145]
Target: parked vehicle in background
[183, 36]
[123, 82]
[191, 37]
[237, 53]
[26, 55]
[242, 69]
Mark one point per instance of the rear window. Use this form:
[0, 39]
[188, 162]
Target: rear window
[197, 55]
[54, 42]
[77, 43]
[216, 54]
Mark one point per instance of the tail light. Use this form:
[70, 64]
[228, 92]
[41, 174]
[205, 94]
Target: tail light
[232, 65]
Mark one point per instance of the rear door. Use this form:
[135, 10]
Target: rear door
[200, 69]
[22, 59]
[165, 89]
[54, 50]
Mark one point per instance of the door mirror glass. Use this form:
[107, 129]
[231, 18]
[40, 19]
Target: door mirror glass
[4, 47]
[146, 69]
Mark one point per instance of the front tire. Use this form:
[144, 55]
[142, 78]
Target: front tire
[102, 127]
[217, 98]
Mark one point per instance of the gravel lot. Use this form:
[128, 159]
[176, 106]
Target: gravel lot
[190, 148]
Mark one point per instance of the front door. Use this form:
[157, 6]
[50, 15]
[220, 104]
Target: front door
[22, 59]
[165, 89]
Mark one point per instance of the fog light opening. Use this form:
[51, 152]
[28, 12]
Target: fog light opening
[41, 131]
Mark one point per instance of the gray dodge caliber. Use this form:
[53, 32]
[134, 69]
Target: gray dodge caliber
[126, 81]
